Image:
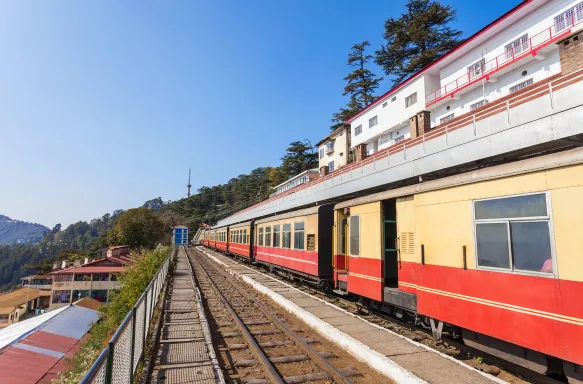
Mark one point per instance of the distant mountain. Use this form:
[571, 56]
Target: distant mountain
[20, 232]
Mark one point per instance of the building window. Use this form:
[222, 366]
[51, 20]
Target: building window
[354, 235]
[61, 297]
[513, 233]
[372, 122]
[517, 46]
[260, 237]
[478, 104]
[286, 236]
[321, 153]
[476, 69]
[80, 294]
[447, 118]
[330, 146]
[268, 236]
[565, 19]
[358, 130]
[82, 277]
[330, 166]
[99, 295]
[100, 277]
[276, 236]
[299, 236]
[519, 86]
[384, 104]
[393, 99]
[410, 100]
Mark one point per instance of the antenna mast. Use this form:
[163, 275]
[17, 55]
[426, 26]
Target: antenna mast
[188, 185]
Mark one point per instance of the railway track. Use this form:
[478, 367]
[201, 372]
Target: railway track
[259, 345]
[479, 359]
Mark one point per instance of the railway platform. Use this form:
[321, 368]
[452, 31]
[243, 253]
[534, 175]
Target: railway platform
[389, 353]
[184, 352]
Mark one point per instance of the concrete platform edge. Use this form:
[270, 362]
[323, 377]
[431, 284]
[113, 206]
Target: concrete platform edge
[364, 359]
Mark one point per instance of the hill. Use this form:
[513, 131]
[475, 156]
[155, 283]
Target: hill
[20, 232]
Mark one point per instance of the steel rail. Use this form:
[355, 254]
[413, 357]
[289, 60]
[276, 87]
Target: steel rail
[263, 360]
[311, 352]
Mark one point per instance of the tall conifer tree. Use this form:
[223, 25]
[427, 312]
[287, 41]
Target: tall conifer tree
[361, 84]
[420, 36]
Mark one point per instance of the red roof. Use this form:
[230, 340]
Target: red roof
[37, 356]
[91, 270]
[463, 44]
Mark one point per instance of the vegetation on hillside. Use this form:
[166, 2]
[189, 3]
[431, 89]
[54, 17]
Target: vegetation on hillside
[211, 204]
[20, 232]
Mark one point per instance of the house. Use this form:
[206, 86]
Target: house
[526, 46]
[96, 279]
[15, 305]
[334, 150]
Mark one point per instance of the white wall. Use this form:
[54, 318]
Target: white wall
[541, 18]
[340, 154]
[393, 114]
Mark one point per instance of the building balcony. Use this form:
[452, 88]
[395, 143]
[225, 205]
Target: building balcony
[533, 48]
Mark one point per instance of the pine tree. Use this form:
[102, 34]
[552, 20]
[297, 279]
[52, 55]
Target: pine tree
[361, 84]
[417, 38]
[344, 114]
[299, 157]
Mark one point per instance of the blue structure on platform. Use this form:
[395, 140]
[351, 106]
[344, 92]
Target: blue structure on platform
[180, 235]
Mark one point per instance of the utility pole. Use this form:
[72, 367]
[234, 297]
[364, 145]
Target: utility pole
[188, 185]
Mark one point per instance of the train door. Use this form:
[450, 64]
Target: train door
[341, 257]
[390, 253]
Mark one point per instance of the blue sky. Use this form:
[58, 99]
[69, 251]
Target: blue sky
[106, 104]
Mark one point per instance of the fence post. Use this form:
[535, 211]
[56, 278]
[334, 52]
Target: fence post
[145, 316]
[133, 343]
[109, 364]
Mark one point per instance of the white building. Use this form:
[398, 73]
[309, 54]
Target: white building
[517, 50]
[334, 150]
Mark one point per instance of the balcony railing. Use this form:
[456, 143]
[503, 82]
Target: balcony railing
[527, 47]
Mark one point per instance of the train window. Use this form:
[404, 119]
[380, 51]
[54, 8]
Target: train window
[260, 237]
[276, 236]
[245, 236]
[513, 233]
[286, 236]
[299, 236]
[268, 236]
[343, 236]
[354, 235]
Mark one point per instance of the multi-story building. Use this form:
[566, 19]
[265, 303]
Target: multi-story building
[529, 45]
[96, 279]
[334, 150]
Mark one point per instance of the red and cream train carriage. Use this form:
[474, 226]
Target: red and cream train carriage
[495, 253]
[298, 243]
[241, 239]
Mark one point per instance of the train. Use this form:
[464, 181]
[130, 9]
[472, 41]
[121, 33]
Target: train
[492, 257]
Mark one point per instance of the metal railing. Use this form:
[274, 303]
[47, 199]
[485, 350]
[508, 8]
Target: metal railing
[118, 362]
[511, 54]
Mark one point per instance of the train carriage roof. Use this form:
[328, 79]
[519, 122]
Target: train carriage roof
[289, 215]
[555, 160]
[243, 224]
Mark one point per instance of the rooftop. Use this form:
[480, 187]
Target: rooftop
[20, 296]
[32, 350]
[332, 134]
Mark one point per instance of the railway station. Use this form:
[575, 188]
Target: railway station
[438, 241]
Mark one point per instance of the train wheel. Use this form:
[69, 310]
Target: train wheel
[323, 285]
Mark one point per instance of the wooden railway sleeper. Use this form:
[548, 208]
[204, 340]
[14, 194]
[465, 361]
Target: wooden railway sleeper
[269, 369]
[322, 363]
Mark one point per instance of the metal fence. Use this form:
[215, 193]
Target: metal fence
[118, 362]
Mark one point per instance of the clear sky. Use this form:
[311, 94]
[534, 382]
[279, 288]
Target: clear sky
[106, 104]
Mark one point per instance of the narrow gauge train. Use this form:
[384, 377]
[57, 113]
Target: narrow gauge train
[493, 255]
